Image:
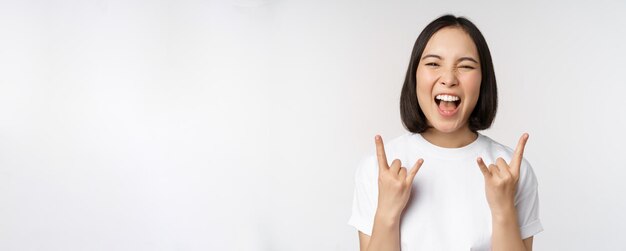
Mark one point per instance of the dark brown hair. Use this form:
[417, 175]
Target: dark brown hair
[485, 111]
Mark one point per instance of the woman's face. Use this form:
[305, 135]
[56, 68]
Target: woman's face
[448, 79]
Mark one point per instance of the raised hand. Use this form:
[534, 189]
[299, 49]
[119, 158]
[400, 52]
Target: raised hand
[501, 179]
[394, 183]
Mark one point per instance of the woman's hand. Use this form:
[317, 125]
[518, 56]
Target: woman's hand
[501, 180]
[394, 183]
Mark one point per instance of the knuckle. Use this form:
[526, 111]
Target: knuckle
[501, 161]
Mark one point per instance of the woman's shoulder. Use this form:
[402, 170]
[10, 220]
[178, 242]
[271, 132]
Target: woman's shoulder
[495, 147]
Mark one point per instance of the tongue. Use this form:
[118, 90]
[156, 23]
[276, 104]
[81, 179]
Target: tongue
[447, 106]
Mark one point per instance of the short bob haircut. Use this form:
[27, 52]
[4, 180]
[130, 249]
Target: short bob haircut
[485, 111]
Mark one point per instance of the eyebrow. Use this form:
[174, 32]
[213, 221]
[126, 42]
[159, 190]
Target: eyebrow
[431, 56]
[460, 59]
[468, 58]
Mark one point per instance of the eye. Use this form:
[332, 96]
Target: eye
[432, 64]
[467, 67]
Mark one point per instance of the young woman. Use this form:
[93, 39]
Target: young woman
[471, 193]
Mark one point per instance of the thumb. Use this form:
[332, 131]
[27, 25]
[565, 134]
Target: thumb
[414, 170]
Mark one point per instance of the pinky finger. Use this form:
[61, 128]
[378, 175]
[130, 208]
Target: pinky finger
[416, 167]
[483, 167]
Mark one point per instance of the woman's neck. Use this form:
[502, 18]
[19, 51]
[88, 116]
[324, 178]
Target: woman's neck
[456, 139]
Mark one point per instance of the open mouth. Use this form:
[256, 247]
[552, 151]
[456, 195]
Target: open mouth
[447, 103]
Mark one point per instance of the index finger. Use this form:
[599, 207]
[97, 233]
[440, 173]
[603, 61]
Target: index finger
[380, 152]
[518, 155]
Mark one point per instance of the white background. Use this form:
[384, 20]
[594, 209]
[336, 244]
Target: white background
[238, 125]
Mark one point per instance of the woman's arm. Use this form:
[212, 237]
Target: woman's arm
[388, 236]
[500, 186]
[385, 235]
[506, 233]
[394, 189]
[528, 242]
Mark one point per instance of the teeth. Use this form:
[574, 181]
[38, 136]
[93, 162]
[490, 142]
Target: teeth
[448, 98]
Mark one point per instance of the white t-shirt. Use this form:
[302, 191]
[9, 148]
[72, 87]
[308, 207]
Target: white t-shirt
[448, 208]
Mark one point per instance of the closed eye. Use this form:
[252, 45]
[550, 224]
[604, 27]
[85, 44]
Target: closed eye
[432, 64]
[468, 67]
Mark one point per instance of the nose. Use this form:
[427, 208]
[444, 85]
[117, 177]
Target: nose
[448, 78]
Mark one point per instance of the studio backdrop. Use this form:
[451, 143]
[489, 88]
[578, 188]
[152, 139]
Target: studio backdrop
[238, 125]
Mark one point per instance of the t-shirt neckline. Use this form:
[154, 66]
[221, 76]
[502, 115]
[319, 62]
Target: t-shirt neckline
[470, 149]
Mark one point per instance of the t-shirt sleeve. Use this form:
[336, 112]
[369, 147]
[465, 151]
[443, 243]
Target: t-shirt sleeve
[365, 199]
[527, 202]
